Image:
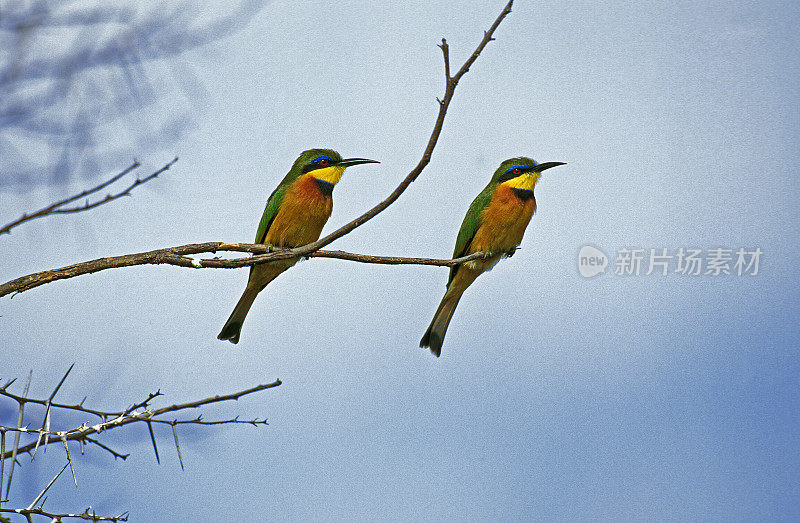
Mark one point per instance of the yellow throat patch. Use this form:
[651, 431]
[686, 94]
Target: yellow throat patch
[330, 174]
[524, 181]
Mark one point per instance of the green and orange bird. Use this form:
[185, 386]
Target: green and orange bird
[494, 224]
[295, 214]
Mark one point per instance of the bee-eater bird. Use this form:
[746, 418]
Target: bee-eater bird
[295, 214]
[494, 225]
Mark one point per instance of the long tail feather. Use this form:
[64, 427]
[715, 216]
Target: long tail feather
[434, 336]
[233, 326]
[260, 276]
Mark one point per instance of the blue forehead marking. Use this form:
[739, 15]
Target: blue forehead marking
[523, 168]
[323, 158]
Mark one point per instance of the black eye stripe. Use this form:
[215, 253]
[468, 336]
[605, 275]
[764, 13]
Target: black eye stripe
[318, 163]
[510, 174]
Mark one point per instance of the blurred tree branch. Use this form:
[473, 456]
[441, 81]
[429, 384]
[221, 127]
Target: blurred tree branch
[58, 207]
[72, 76]
[178, 255]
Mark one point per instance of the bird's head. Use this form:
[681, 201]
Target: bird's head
[521, 172]
[325, 164]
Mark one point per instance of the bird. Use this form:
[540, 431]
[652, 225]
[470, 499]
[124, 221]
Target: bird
[494, 225]
[295, 214]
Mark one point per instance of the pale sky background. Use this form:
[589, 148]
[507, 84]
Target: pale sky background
[556, 397]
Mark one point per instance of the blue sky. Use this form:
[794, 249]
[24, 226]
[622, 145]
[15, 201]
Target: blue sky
[556, 397]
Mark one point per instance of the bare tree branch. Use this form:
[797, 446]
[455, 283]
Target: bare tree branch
[106, 415]
[58, 207]
[178, 255]
[140, 412]
[88, 516]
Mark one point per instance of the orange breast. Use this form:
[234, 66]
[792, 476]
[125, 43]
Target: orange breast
[503, 222]
[302, 215]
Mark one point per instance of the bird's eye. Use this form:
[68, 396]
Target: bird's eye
[517, 170]
[323, 162]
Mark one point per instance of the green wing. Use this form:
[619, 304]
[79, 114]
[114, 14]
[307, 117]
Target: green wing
[470, 225]
[273, 204]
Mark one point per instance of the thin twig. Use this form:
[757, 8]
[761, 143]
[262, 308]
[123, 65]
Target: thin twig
[446, 52]
[199, 421]
[144, 403]
[125, 192]
[58, 207]
[50, 208]
[215, 399]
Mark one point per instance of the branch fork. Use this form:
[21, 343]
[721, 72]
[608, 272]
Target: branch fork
[179, 256]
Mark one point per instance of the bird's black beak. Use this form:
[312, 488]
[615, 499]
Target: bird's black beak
[347, 162]
[546, 165]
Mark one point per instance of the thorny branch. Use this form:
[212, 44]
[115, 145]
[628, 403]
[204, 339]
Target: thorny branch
[138, 412]
[142, 412]
[87, 515]
[59, 206]
[178, 255]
